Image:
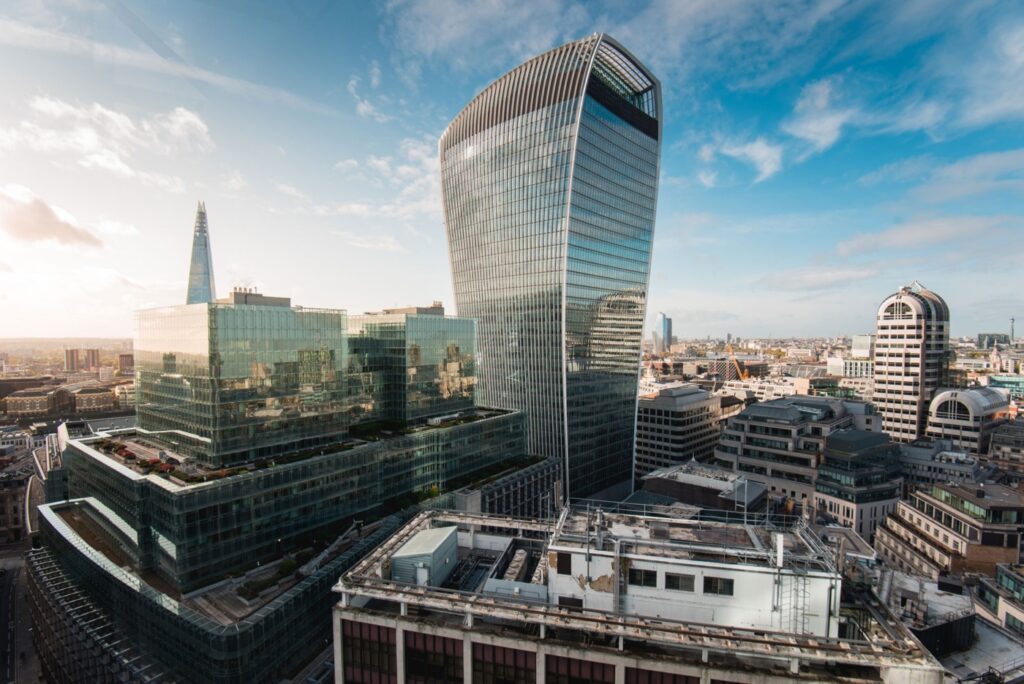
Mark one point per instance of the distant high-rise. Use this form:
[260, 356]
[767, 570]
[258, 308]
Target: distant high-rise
[71, 360]
[200, 273]
[911, 359]
[665, 332]
[91, 359]
[549, 179]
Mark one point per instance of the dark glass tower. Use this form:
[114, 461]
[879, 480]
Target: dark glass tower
[550, 178]
[200, 273]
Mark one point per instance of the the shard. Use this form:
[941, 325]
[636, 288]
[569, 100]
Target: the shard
[200, 273]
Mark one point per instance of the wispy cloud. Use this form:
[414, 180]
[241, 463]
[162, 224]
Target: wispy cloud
[364, 107]
[976, 175]
[815, 119]
[235, 182]
[818, 277]
[292, 192]
[33, 38]
[347, 164]
[901, 171]
[101, 138]
[917, 234]
[707, 178]
[28, 218]
[766, 157]
[380, 243]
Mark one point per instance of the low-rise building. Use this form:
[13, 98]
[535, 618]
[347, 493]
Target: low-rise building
[1000, 599]
[779, 443]
[858, 482]
[524, 491]
[953, 529]
[611, 597]
[40, 401]
[705, 486]
[925, 462]
[677, 424]
[94, 400]
[1006, 447]
[967, 417]
[13, 485]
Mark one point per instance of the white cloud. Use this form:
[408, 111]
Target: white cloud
[374, 74]
[347, 164]
[707, 178]
[380, 243]
[818, 277]
[815, 120]
[764, 156]
[977, 175]
[364, 107]
[28, 218]
[381, 165]
[706, 153]
[920, 233]
[292, 192]
[108, 227]
[101, 138]
[899, 171]
[32, 38]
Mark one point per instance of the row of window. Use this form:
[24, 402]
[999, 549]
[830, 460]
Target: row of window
[720, 586]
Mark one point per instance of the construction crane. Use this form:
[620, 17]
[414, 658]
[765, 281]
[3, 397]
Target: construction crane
[741, 373]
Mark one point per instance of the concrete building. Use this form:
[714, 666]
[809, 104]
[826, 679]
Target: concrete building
[126, 363]
[13, 486]
[1006, 447]
[610, 597]
[94, 400]
[911, 359]
[704, 486]
[780, 442]
[1000, 599]
[926, 462]
[967, 417]
[675, 425]
[90, 359]
[953, 529]
[71, 362]
[858, 482]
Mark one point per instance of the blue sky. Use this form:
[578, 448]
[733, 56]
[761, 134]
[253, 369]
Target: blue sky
[816, 155]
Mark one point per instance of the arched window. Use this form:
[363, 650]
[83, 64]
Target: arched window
[952, 409]
[897, 311]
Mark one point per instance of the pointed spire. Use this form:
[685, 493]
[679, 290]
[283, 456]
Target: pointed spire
[200, 273]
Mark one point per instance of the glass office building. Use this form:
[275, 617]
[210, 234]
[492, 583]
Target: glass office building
[549, 180]
[426, 362]
[201, 289]
[250, 376]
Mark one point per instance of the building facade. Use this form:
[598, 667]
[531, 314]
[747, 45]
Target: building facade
[780, 443]
[967, 417]
[250, 377]
[911, 359]
[664, 334]
[603, 598]
[675, 425]
[426, 362]
[858, 482]
[926, 462]
[953, 529]
[1006, 447]
[1000, 599]
[549, 181]
[94, 400]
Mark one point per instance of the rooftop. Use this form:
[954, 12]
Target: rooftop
[491, 548]
[986, 495]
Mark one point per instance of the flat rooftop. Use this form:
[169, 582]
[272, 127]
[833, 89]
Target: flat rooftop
[689, 539]
[987, 495]
[156, 455]
[488, 546]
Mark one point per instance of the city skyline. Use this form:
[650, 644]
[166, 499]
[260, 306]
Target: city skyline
[837, 154]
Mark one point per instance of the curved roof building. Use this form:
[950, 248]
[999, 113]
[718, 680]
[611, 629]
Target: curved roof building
[549, 179]
[967, 417]
[911, 358]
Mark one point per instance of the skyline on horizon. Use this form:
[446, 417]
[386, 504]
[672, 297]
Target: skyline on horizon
[837, 153]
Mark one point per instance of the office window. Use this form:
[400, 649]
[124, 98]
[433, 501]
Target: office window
[718, 585]
[564, 562]
[643, 578]
[678, 582]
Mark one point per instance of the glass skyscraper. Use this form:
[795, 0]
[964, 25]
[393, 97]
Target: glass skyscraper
[201, 289]
[549, 179]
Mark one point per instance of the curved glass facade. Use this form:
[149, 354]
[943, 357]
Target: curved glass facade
[549, 179]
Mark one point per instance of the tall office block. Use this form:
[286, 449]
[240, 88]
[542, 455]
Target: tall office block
[200, 273]
[664, 333]
[911, 359]
[549, 179]
[71, 360]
